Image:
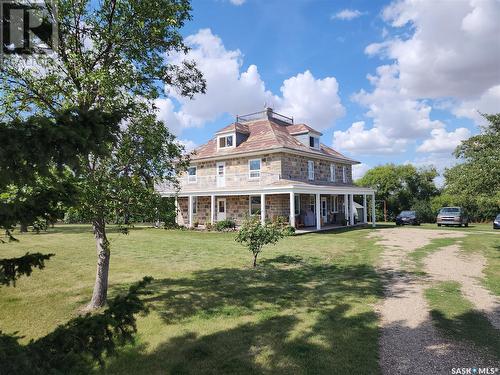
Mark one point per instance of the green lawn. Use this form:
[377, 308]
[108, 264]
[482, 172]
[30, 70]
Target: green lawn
[307, 308]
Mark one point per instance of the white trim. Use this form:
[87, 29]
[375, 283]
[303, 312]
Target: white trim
[315, 139]
[310, 189]
[310, 172]
[250, 203]
[258, 171]
[220, 181]
[226, 135]
[220, 199]
[291, 219]
[212, 209]
[262, 208]
[297, 206]
[189, 179]
[333, 176]
[318, 212]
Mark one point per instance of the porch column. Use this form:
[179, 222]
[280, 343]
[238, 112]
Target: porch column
[176, 211]
[292, 209]
[351, 209]
[318, 212]
[190, 208]
[346, 208]
[373, 210]
[365, 213]
[212, 209]
[263, 208]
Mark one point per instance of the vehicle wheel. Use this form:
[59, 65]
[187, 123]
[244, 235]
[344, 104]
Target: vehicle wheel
[439, 225]
[466, 225]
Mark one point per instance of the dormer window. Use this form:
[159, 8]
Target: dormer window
[226, 141]
[314, 142]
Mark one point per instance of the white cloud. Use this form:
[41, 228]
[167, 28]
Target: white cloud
[459, 57]
[231, 90]
[311, 100]
[489, 103]
[442, 141]
[359, 170]
[346, 14]
[188, 144]
[237, 2]
[357, 139]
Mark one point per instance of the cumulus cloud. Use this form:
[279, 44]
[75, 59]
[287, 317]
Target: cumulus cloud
[237, 2]
[489, 102]
[442, 141]
[346, 14]
[359, 170]
[458, 58]
[357, 139]
[230, 89]
[452, 64]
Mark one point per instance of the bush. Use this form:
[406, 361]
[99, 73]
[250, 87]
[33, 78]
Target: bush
[424, 211]
[78, 345]
[40, 224]
[73, 216]
[224, 225]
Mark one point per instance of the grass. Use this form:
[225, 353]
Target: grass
[418, 255]
[306, 309]
[455, 316]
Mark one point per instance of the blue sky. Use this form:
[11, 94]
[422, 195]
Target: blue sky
[384, 81]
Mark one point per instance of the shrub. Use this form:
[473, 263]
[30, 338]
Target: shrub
[224, 225]
[78, 345]
[208, 226]
[254, 235]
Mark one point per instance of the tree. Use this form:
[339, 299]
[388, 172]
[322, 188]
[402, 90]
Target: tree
[475, 183]
[112, 57]
[479, 172]
[401, 186]
[255, 236]
[121, 184]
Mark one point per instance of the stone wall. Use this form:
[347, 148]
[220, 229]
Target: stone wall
[294, 167]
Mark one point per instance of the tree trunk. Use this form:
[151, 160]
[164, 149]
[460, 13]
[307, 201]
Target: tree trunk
[99, 295]
[255, 260]
[24, 228]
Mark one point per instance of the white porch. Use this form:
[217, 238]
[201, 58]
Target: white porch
[320, 203]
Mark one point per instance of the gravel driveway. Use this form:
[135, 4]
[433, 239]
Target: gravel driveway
[409, 343]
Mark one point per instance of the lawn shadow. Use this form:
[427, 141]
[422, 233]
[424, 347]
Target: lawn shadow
[264, 347]
[280, 296]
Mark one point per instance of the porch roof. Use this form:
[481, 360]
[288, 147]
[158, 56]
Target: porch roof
[279, 187]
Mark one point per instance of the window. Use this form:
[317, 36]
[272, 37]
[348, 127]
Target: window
[191, 175]
[254, 168]
[254, 204]
[195, 205]
[310, 170]
[296, 199]
[333, 178]
[226, 141]
[335, 207]
[312, 203]
[314, 142]
[344, 177]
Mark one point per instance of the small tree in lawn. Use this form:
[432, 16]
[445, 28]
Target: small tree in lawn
[255, 236]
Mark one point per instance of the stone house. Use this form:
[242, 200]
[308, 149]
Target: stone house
[265, 164]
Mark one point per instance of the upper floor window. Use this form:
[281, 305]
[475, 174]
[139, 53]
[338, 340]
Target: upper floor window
[254, 168]
[333, 178]
[344, 174]
[310, 170]
[191, 175]
[313, 142]
[226, 141]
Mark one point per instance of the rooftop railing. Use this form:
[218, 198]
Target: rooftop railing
[267, 113]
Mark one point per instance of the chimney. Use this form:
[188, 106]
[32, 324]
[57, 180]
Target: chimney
[269, 113]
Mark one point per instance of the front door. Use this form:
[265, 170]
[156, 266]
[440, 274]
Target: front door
[324, 210]
[221, 209]
[221, 174]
